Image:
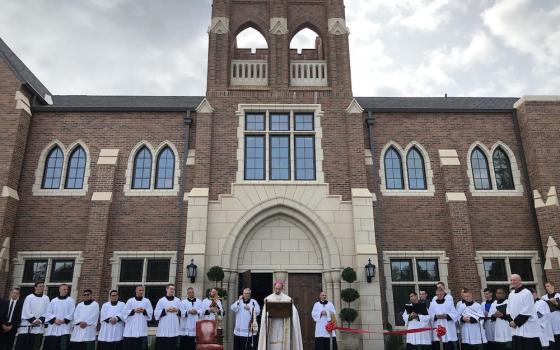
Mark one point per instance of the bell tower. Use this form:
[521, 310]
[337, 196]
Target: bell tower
[278, 68]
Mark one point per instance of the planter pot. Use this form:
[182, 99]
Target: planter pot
[348, 341]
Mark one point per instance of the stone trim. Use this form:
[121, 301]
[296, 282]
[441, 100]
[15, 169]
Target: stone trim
[443, 262]
[550, 200]
[115, 262]
[448, 157]
[101, 196]
[480, 255]
[455, 197]
[5, 255]
[108, 156]
[219, 25]
[552, 252]
[368, 157]
[337, 26]
[406, 192]
[66, 152]
[494, 192]
[7, 191]
[22, 102]
[536, 98]
[204, 107]
[289, 108]
[152, 191]
[19, 265]
[278, 26]
[191, 157]
[354, 108]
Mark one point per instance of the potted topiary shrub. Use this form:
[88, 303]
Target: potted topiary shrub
[349, 314]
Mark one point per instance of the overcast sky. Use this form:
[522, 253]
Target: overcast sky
[397, 47]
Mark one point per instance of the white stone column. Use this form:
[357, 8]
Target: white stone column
[335, 277]
[328, 286]
[195, 241]
[369, 304]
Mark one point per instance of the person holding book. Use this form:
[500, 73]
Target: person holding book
[416, 316]
[552, 298]
[500, 318]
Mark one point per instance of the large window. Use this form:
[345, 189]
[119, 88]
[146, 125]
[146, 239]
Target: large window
[76, 169]
[481, 173]
[142, 169]
[153, 273]
[53, 271]
[393, 170]
[279, 146]
[165, 170]
[498, 270]
[415, 169]
[411, 274]
[502, 170]
[53, 169]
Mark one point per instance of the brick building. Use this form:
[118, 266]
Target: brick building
[279, 172]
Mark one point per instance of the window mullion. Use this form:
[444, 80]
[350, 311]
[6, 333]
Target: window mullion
[145, 271]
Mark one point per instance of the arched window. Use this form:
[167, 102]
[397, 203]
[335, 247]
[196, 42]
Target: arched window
[142, 173]
[416, 170]
[393, 170]
[165, 169]
[502, 169]
[53, 169]
[76, 169]
[307, 39]
[481, 173]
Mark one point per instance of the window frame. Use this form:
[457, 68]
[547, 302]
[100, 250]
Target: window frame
[510, 171]
[488, 174]
[494, 192]
[119, 256]
[263, 137]
[158, 157]
[400, 162]
[296, 158]
[388, 256]
[46, 168]
[69, 168]
[279, 135]
[153, 191]
[23, 257]
[533, 256]
[423, 162]
[292, 111]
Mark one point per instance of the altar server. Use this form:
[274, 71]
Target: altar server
[191, 309]
[524, 321]
[168, 313]
[31, 329]
[553, 299]
[443, 313]
[544, 315]
[416, 316]
[112, 325]
[58, 317]
[86, 317]
[137, 312]
[500, 318]
[245, 309]
[471, 321]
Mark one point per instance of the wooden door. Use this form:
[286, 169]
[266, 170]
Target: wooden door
[304, 290]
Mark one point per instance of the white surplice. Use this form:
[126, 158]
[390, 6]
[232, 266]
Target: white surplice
[188, 321]
[136, 324]
[423, 321]
[521, 302]
[472, 332]
[284, 335]
[321, 321]
[244, 316]
[88, 314]
[34, 307]
[502, 330]
[555, 316]
[545, 316]
[60, 309]
[111, 332]
[168, 322]
[445, 308]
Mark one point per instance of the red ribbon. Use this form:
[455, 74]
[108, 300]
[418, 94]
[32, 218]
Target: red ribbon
[440, 330]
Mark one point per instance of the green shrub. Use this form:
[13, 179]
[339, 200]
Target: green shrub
[348, 315]
[349, 275]
[349, 295]
[216, 274]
